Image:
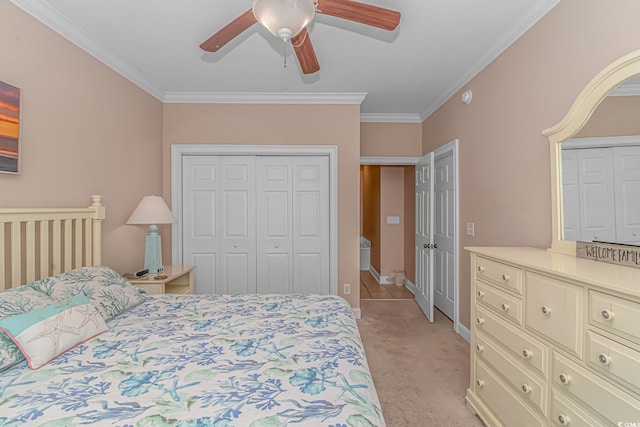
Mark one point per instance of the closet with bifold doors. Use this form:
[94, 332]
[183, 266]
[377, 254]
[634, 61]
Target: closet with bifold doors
[256, 224]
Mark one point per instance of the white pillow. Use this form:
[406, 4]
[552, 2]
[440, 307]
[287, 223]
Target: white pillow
[44, 334]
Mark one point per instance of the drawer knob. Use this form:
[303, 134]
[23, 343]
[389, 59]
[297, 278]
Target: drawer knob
[526, 389]
[479, 348]
[480, 383]
[235, 245]
[480, 294]
[526, 353]
[505, 307]
[480, 269]
[604, 359]
[479, 320]
[545, 310]
[606, 314]
[505, 277]
[564, 378]
[563, 419]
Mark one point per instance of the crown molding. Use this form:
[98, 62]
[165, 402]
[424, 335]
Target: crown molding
[262, 98]
[626, 90]
[520, 25]
[43, 13]
[390, 118]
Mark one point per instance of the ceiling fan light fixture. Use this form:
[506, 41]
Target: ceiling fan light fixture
[284, 18]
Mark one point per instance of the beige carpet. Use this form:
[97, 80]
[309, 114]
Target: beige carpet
[421, 370]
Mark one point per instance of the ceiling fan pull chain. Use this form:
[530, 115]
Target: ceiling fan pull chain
[284, 53]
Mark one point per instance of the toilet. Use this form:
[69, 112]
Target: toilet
[365, 253]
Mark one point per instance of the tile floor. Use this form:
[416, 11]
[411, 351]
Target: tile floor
[371, 289]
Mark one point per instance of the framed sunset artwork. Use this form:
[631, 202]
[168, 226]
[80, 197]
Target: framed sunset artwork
[9, 128]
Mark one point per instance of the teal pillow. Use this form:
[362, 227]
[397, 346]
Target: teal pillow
[109, 292]
[17, 301]
[45, 333]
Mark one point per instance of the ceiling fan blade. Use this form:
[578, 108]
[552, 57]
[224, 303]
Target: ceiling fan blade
[359, 12]
[304, 51]
[229, 32]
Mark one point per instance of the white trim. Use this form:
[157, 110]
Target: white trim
[357, 313]
[464, 332]
[180, 150]
[52, 19]
[262, 98]
[452, 147]
[518, 27]
[374, 160]
[601, 142]
[389, 118]
[626, 90]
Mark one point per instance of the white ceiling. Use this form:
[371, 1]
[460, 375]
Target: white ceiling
[406, 74]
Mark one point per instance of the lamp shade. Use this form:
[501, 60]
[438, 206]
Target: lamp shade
[284, 18]
[151, 210]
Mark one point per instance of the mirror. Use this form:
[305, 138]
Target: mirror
[579, 114]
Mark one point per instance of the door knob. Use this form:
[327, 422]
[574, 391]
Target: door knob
[435, 245]
[426, 246]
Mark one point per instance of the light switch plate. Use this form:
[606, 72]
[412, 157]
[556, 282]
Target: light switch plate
[471, 229]
[393, 220]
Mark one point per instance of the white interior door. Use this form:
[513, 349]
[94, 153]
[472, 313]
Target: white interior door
[200, 232]
[570, 195]
[424, 238]
[444, 234]
[238, 224]
[275, 226]
[595, 174]
[627, 187]
[311, 225]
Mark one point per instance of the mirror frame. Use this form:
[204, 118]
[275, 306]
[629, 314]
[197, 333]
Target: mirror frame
[583, 107]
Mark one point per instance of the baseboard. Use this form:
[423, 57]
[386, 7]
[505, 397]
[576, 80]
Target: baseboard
[383, 280]
[464, 332]
[357, 313]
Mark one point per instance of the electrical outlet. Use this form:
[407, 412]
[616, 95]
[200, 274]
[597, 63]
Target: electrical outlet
[471, 229]
[346, 288]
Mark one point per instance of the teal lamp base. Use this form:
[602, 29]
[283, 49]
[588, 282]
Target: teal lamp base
[153, 251]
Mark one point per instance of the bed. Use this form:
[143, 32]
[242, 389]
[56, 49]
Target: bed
[188, 360]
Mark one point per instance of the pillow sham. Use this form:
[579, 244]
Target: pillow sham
[45, 333]
[17, 301]
[108, 291]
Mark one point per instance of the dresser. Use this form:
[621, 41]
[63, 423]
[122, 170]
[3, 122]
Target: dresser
[555, 340]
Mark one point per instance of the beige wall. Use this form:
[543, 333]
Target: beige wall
[391, 139]
[391, 235]
[615, 116]
[85, 130]
[281, 125]
[504, 160]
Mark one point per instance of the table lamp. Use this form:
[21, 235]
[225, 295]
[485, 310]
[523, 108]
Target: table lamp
[152, 210]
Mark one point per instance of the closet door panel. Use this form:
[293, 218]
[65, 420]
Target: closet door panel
[200, 228]
[311, 225]
[627, 186]
[274, 225]
[238, 210]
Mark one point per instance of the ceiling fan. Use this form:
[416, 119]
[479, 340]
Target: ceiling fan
[288, 19]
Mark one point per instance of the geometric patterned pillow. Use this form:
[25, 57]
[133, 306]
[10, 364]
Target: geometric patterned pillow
[17, 301]
[45, 333]
[109, 292]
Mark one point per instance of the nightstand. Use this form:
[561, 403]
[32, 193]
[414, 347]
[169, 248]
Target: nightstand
[179, 281]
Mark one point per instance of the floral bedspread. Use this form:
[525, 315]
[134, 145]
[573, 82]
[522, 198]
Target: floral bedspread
[206, 360]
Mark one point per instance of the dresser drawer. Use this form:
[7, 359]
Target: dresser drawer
[612, 403]
[553, 308]
[564, 412]
[529, 387]
[532, 352]
[614, 359]
[617, 315]
[510, 410]
[501, 274]
[504, 304]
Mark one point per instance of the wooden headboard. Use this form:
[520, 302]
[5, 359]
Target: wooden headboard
[37, 243]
